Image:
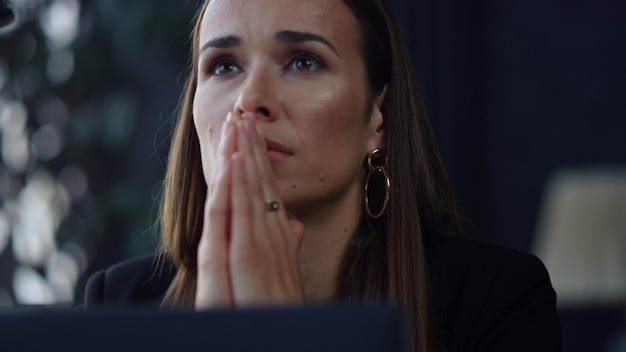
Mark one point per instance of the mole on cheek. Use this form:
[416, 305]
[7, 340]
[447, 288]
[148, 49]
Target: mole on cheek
[293, 186]
[322, 178]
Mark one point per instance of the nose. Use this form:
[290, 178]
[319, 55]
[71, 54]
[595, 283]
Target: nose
[258, 94]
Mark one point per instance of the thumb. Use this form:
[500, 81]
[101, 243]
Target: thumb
[298, 228]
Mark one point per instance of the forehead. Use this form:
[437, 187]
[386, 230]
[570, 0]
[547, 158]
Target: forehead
[329, 18]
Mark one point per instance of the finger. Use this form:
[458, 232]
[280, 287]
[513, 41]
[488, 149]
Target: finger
[245, 263]
[285, 236]
[228, 139]
[268, 181]
[261, 232]
[226, 146]
[298, 229]
[263, 270]
[213, 282]
[261, 192]
[213, 286]
[258, 196]
[263, 164]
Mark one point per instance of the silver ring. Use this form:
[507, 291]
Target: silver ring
[272, 206]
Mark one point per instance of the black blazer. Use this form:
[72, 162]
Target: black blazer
[484, 297]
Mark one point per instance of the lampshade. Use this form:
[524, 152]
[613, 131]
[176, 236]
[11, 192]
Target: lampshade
[581, 235]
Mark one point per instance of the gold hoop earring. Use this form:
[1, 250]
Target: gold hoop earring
[376, 162]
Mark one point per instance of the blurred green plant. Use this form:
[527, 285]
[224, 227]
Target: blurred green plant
[86, 92]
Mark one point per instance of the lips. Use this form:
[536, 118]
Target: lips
[277, 151]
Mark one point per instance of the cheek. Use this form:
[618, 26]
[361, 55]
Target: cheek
[336, 117]
[334, 145]
[208, 118]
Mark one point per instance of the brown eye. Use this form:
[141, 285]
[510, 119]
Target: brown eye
[305, 62]
[222, 66]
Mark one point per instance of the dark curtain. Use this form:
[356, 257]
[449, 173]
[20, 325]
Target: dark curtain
[516, 90]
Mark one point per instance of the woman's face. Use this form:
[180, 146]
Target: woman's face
[297, 66]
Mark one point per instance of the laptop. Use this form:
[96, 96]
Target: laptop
[336, 328]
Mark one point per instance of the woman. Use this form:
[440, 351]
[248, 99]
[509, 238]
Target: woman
[302, 169]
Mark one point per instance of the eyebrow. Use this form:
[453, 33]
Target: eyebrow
[221, 43]
[289, 37]
[294, 37]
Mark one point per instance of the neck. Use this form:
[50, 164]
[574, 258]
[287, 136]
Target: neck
[326, 237]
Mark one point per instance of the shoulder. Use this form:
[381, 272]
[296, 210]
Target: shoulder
[461, 257]
[139, 281]
[492, 298]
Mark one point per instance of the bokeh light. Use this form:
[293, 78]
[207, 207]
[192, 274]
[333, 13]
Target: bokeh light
[59, 22]
[30, 287]
[47, 142]
[15, 146]
[82, 97]
[41, 206]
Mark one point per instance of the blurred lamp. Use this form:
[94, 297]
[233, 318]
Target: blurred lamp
[581, 236]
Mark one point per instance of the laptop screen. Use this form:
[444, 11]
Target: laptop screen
[309, 328]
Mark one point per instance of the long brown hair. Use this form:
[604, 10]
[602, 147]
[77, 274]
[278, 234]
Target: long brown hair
[386, 257]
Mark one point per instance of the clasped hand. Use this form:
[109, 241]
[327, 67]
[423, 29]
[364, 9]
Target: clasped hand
[247, 254]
